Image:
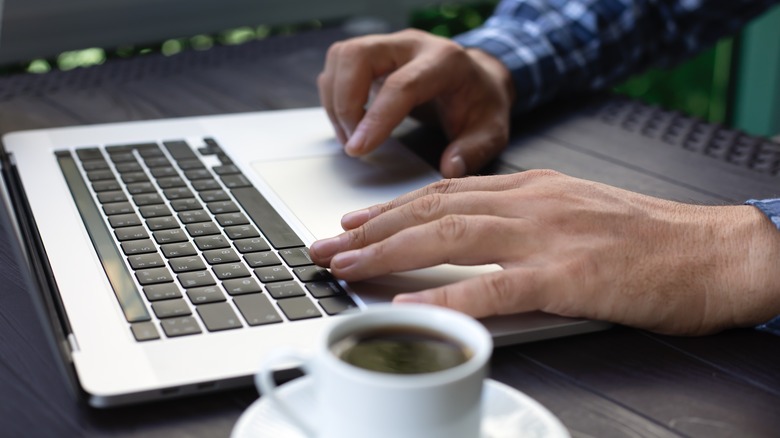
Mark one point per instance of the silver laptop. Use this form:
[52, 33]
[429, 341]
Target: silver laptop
[171, 254]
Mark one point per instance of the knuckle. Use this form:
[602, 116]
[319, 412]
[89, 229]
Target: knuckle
[426, 207]
[442, 186]
[452, 227]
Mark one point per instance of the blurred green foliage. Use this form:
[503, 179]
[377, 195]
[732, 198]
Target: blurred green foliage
[697, 87]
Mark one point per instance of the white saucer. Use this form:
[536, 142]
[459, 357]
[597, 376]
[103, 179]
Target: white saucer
[506, 413]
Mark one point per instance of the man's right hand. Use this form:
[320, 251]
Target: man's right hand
[470, 91]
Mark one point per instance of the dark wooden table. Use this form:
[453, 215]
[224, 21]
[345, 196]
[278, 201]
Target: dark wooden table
[618, 383]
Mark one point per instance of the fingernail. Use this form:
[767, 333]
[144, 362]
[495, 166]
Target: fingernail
[458, 166]
[345, 260]
[327, 247]
[412, 298]
[355, 144]
[355, 218]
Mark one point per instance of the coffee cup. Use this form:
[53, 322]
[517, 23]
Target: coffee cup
[390, 371]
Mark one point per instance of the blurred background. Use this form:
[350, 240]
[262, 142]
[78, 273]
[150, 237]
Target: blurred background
[736, 83]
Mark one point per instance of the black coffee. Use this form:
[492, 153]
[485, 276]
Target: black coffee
[401, 350]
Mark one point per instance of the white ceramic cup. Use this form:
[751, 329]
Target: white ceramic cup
[353, 402]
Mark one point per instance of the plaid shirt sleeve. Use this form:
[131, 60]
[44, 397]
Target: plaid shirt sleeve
[560, 47]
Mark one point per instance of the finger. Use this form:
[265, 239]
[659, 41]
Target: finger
[325, 88]
[509, 291]
[453, 239]
[492, 183]
[474, 148]
[414, 83]
[359, 64]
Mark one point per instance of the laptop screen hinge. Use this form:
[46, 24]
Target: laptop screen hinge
[73, 343]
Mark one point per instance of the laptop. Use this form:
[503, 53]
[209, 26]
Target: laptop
[170, 255]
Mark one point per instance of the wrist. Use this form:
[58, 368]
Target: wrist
[496, 70]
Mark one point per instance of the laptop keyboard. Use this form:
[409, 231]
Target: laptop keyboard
[191, 247]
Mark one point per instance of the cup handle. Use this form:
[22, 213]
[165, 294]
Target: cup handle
[264, 381]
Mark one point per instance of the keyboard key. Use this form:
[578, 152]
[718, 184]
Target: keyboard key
[147, 199]
[131, 233]
[190, 164]
[153, 276]
[106, 185]
[179, 150]
[112, 196]
[173, 250]
[154, 211]
[89, 154]
[196, 174]
[235, 181]
[162, 223]
[229, 169]
[287, 289]
[124, 220]
[175, 235]
[122, 157]
[231, 270]
[178, 193]
[100, 175]
[144, 331]
[187, 264]
[141, 187]
[312, 273]
[337, 304]
[152, 162]
[219, 316]
[186, 204]
[128, 167]
[118, 208]
[241, 286]
[211, 242]
[221, 207]
[218, 256]
[296, 257]
[251, 245]
[134, 177]
[196, 279]
[146, 261]
[241, 232]
[171, 182]
[206, 184]
[95, 165]
[323, 289]
[135, 247]
[206, 294]
[180, 326]
[164, 172]
[194, 216]
[171, 308]
[229, 219]
[273, 273]
[214, 195]
[162, 291]
[203, 229]
[257, 309]
[299, 308]
[260, 259]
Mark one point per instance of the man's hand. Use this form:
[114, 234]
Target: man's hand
[469, 90]
[571, 247]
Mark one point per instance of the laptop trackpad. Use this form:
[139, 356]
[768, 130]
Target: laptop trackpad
[319, 190]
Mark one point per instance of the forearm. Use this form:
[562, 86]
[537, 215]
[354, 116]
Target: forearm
[555, 48]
